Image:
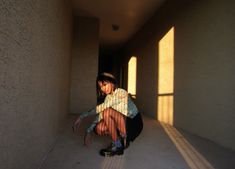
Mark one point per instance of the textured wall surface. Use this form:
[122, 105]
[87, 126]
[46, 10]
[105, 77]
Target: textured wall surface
[205, 71]
[35, 49]
[84, 64]
[204, 66]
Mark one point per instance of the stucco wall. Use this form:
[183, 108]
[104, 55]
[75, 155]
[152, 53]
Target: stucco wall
[205, 71]
[204, 66]
[84, 64]
[35, 47]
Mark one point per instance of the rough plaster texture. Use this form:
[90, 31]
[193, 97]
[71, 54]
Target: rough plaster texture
[205, 71]
[84, 64]
[35, 47]
[204, 66]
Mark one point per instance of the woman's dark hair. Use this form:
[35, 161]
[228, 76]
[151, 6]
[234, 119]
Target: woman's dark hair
[104, 77]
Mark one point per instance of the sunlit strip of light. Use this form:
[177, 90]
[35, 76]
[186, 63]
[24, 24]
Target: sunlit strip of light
[166, 63]
[165, 109]
[193, 158]
[132, 71]
[166, 78]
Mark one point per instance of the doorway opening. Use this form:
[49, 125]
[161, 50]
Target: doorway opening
[166, 78]
[132, 72]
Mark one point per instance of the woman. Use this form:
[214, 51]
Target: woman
[117, 116]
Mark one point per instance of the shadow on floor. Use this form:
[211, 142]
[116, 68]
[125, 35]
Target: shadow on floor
[153, 149]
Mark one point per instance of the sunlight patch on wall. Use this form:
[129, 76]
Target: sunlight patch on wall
[166, 78]
[132, 72]
[165, 109]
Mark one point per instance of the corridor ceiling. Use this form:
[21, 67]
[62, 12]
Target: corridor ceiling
[119, 19]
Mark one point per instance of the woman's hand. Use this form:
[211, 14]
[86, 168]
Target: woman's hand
[87, 139]
[77, 124]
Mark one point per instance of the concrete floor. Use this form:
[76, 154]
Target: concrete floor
[153, 149]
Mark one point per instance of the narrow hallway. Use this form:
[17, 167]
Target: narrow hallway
[175, 58]
[69, 152]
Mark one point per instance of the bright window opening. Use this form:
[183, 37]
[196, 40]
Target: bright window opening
[132, 71]
[166, 78]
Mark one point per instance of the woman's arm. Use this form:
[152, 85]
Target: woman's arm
[88, 134]
[87, 113]
[93, 125]
[82, 116]
[119, 96]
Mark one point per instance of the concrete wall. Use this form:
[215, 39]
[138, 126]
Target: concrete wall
[84, 64]
[204, 66]
[35, 49]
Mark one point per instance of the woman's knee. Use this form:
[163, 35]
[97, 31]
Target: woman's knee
[100, 129]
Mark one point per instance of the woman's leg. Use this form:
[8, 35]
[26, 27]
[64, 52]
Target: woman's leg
[101, 128]
[114, 120]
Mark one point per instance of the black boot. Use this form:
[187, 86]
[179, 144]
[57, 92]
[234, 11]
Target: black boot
[112, 150]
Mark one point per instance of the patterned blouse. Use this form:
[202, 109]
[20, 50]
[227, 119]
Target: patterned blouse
[119, 100]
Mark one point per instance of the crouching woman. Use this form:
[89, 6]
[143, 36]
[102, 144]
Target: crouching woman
[117, 116]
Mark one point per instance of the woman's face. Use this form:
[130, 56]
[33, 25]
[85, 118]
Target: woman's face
[106, 87]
